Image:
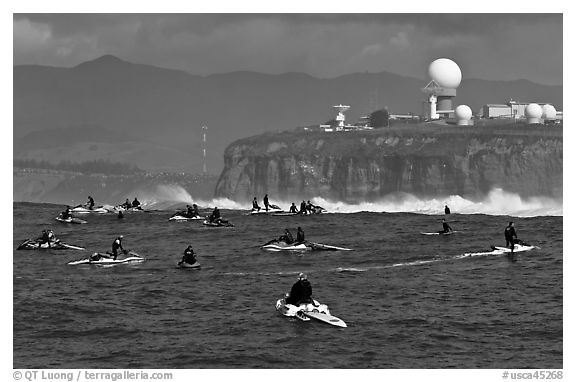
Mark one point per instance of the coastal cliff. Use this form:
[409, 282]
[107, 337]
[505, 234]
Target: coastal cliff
[423, 160]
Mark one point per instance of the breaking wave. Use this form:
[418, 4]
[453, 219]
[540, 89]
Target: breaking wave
[496, 202]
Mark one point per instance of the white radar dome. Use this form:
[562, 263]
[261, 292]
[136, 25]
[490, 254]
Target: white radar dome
[533, 111]
[548, 112]
[445, 72]
[463, 112]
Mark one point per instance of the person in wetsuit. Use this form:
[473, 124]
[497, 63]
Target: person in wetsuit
[66, 213]
[446, 210]
[136, 203]
[266, 203]
[293, 208]
[90, 203]
[300, 236]
[445, 227]
[303, 208]
[126, 204]
[287, 237]
[117, 245]
[189, 256]
[215, 216]
[301, 292]
[510, 236]
[255, 205]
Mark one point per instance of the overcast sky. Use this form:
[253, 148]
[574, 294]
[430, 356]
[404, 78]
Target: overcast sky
[487, 46]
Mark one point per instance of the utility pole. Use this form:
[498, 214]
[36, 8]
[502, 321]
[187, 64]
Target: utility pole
[204, 130]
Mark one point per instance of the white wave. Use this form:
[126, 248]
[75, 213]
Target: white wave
[497, 202]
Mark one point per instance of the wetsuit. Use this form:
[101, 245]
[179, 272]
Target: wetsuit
[510, 235]
[301, 292]
[447, 210]
[303, 208]
[215, 217]
[288, 238]
[255, 205]
[266, 205]
[300, 236]
[135, 203]
[117, 244]
[189, 256]
[446, 227]
[190, 213]
[293, 208]
[90, 202]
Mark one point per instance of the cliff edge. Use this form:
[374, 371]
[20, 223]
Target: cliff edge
[423, 160]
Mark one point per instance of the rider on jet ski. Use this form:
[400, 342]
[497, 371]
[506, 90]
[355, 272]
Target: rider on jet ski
[300, 236]
[287, 237]
[90, 203]
[189, 255]
[255, 205]
[445, 227]
[67, 213]
[301, 292]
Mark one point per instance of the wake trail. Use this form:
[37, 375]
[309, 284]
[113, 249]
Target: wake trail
[376, 267]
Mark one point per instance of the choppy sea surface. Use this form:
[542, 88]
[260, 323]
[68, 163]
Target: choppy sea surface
[410, 300]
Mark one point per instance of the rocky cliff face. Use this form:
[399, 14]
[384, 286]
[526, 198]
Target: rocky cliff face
[423, 160]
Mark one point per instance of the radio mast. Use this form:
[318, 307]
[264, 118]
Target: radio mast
[204, 130]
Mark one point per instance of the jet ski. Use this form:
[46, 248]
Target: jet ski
[217, 223]
[107, 259]
[81, 209]
[272, 208]
[119, 208]
[70, 220]
[306, 311]
[33, 244]
[279, 245]
[183, 264]
[439, 233]
[517, 248]
[182, 217]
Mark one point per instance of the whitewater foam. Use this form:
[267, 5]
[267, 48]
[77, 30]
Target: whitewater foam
[496, 202]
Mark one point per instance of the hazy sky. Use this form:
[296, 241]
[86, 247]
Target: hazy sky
[487, 46]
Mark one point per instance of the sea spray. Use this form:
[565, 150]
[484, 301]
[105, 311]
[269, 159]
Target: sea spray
[496, 202]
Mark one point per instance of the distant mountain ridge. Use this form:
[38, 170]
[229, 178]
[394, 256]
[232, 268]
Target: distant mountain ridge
[169, 107]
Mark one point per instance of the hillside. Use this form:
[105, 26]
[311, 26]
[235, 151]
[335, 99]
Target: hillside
[168, 107]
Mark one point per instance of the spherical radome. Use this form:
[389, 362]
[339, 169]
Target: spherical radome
[463, 112]
[548, 112]
[445, 72]
[533, 111]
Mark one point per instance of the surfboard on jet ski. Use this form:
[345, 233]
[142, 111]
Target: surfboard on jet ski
[106, 259]
[517, 248]
[84, 210]
[306, 311]
[221, 223]
[183, 264]
[70, 220]
[278, 246]
[32, 244]
[439, 233]
[182, 218]
[127, 209]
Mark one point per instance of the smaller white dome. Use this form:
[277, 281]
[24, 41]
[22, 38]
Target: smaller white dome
[548, 112]
[533, 110]
[463, 112]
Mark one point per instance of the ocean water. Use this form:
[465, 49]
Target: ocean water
[410, 300]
